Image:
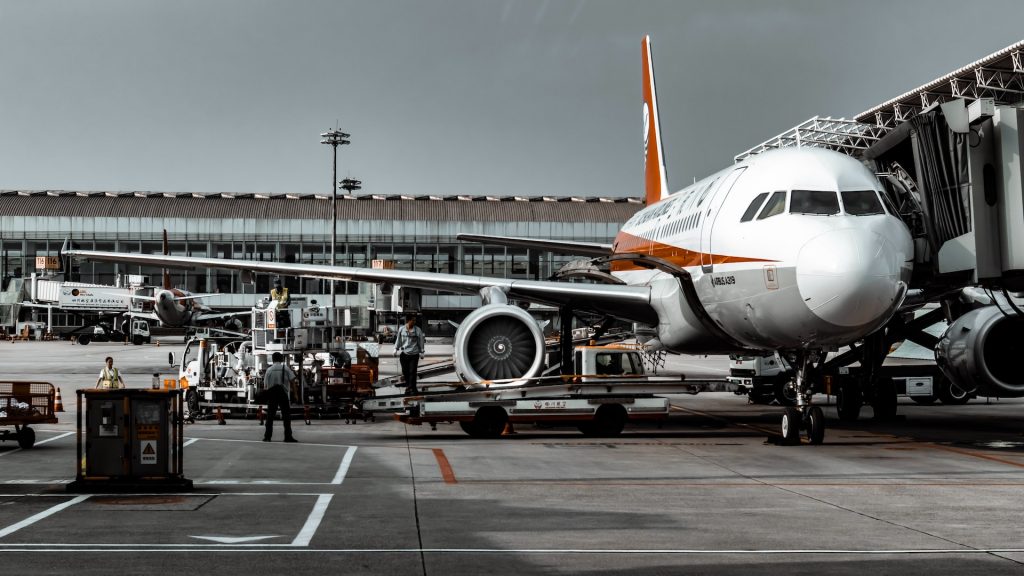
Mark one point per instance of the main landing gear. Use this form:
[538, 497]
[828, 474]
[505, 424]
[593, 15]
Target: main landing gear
[803, 417]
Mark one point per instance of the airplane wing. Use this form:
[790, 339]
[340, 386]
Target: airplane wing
[556, 246]
[631, 303]
[217, 315]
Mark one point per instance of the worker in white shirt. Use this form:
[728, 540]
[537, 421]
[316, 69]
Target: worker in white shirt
[110, 377]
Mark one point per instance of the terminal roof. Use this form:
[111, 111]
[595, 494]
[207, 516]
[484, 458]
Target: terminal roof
[65, 203]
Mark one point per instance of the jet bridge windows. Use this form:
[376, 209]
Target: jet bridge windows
[818, 202]
[861, 202]
[776, 205]
[752, 209]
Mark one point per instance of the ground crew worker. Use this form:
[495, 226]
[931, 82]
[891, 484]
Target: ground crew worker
[276, 380]
[340, 356]
[279, 297]
[109, 377]
[409, 346]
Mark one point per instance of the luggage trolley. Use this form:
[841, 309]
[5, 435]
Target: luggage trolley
[23, 403]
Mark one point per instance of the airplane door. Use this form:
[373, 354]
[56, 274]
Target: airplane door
[713, 205]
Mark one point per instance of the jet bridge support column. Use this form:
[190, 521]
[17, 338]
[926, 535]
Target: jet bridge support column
[565, 340]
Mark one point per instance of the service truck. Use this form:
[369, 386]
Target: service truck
[611, 386]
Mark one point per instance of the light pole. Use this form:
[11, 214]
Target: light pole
[334, 138]
[350, 185]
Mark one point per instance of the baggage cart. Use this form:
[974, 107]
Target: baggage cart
[23, 403]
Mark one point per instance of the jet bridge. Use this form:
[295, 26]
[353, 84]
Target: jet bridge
[949, 155]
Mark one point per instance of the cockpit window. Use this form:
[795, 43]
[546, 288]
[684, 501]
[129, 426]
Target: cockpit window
[752, 209]
[776, 205]
[814, 202]
[861, 202]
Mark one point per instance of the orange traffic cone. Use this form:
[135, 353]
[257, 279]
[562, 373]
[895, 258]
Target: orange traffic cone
[509, 430]
[220, 416]
[259, 414]
[58, 404]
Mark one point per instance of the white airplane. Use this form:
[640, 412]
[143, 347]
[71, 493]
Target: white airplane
[176, 308]
[791, 250]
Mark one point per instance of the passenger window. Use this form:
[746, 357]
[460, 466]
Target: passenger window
[861, 202]
[776, 205]
[817, 202]
[752, 209]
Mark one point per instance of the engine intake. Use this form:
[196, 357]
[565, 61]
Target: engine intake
[498, 342]
[980, 352]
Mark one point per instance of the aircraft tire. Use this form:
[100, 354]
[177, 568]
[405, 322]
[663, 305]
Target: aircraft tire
[884, 402]
[791, 426]
[815, 425]
[849, 401]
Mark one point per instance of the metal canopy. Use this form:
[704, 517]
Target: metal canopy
[838, 134]
[999, 76]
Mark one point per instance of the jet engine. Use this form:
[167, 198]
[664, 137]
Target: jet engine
[498, 342]
[981, 351]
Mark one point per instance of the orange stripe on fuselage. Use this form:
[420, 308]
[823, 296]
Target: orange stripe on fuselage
[626, 243]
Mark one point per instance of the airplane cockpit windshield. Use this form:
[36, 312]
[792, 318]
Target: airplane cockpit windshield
[861, 203]
[817, 202]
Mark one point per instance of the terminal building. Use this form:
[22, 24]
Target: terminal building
[409, 233]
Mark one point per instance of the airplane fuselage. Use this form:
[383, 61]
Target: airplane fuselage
[788, 249]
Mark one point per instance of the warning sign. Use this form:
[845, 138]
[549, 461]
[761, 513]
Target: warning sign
[147, 451]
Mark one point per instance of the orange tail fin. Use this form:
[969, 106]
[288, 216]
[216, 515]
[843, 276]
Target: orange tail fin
[655, 177]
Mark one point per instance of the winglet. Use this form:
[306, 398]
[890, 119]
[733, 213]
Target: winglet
[655, 176]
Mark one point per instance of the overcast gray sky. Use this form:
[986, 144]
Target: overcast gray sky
[444, 97]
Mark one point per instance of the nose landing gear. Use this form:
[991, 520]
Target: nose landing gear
[804, 417]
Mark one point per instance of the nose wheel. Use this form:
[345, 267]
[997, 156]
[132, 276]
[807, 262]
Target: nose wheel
[804, 417]
[808, 422]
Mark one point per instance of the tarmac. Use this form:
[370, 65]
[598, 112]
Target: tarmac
[940, 490]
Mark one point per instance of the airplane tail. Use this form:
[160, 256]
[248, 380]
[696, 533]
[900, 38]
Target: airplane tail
[655, 176]
[167, 275]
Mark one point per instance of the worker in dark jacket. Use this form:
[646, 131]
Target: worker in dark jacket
[409, 347]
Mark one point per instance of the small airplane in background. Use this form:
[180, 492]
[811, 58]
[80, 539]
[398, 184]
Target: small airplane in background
[177, 308]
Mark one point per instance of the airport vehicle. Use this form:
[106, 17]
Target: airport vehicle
[138, 333]
[23, 404]
[226, 373]
[764, 379]
[797, 250]
[611, 388]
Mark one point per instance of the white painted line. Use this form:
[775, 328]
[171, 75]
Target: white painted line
[313, 521]
[45, 513]
[190, 442]
[287, 548]
[297, 445]
[235, 539]
[339, 477]
[54, 438]
[37, 443]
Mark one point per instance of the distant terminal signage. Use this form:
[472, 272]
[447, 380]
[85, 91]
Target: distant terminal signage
[47, 263]
[383, 264]
[100, 298]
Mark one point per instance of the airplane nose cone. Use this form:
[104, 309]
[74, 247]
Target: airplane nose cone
[849, 277]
